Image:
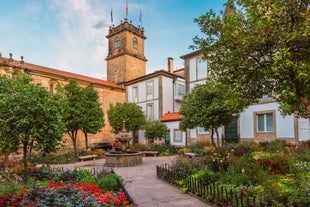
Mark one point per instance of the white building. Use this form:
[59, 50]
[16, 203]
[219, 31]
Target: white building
[157, 93]
[258, 122]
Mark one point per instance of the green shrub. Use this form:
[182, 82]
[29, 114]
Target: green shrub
[199, 147]
[187, 166]
[109, 183]
[244, 148]
[52, 159]
[10, 187]
[62, 197]
[86, 177]
[274, 145]
[207, 176]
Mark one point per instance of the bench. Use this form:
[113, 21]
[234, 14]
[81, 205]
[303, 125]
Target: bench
[190, 154]
[149, 153]
[87, 157]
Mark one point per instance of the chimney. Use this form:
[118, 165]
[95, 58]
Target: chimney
[170, 64]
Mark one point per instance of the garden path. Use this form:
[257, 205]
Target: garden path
[143, 186]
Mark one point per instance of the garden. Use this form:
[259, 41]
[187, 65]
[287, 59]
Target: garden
[44, 186]
[247, 174]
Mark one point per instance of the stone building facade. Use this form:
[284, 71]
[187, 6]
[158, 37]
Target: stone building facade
[109, 93]
[125, 60]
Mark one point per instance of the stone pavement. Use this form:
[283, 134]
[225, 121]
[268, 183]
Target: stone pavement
[144, 187]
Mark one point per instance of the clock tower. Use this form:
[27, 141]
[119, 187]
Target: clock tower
[125, 60]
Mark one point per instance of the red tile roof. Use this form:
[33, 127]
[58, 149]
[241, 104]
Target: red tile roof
[64, 74]
[171, 116]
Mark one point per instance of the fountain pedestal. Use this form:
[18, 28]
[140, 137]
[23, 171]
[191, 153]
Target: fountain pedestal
[123, 158]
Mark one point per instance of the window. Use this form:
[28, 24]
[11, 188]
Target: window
[134, 42]
[193, 134]
[192, 69]
[265, 122]
[180, 91]
[149, 88]
[177, 135]
[117, 42]
[150, 111]
[202, 130]
[202, 68]
[51, 88]
[135, 94]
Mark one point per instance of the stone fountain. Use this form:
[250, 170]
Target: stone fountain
[123, 158]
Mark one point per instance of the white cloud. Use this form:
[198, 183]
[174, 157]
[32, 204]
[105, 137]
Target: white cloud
[82, 44]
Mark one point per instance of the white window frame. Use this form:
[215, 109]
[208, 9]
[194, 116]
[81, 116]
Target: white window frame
[135, 94]
[265, 120]
[202, 68]
[178, 138]
[177, 91]
[150, 111]
[149, 88]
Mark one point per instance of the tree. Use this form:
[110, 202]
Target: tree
[261, 49]
[30, 116]
[72, 94]
[155, 129]
[82, 111]
[128, 112]
[92, 114]
[8, 143]
[209, 106]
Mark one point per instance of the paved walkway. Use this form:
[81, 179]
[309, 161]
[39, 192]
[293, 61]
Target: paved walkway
[144, 187]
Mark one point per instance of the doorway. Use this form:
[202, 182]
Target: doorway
[231, 132]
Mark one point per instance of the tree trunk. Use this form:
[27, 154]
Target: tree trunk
[86, 140]
[217, 137]
[5, 161]
[212, 138]
[25, 149]
[306, 104]
[134, 136]
[303, 99]
[73, 136]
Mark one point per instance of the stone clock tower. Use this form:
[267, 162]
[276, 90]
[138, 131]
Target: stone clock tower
[125, 60]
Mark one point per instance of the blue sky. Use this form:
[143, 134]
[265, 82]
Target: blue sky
[70, 34]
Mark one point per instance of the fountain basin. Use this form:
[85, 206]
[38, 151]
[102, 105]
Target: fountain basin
[116, 159]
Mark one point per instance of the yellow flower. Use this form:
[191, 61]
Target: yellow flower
[243, 170]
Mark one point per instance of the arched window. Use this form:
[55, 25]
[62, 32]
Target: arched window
[51, 88]
[117, 42]
[134, 42]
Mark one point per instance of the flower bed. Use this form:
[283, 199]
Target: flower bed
[276, 173]
[47, 187]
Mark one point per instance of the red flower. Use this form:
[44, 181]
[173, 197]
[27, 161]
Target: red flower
[122, 196]
[116, 200]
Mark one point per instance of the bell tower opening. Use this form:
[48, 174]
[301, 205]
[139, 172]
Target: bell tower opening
[125, 60]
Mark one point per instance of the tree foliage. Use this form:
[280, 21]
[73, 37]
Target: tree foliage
[30, 116]
[128, 112]
[209, 106]
[155, 129]
[82, 111]
[92, 114]
[261, 49]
